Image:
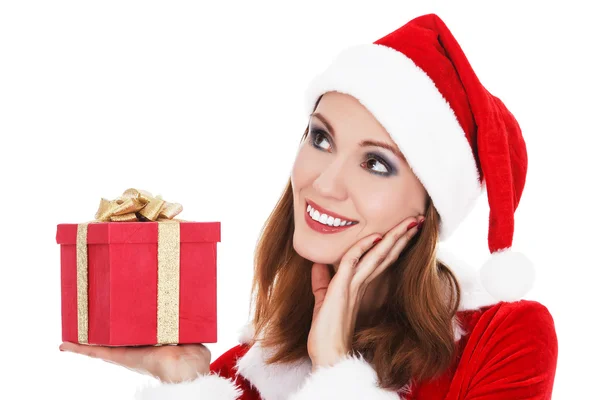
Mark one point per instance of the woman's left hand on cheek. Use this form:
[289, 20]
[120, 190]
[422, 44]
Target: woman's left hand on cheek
[337, 300]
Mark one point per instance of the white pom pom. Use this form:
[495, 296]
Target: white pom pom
[507, 275]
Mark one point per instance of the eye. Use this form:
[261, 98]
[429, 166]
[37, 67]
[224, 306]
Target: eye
[316, 138]
[382, 166]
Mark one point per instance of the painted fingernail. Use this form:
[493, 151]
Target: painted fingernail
[421, 223]
[377, 240]
[412, 225]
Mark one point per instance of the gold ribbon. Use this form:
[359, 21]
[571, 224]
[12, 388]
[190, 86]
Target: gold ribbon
[139, 205]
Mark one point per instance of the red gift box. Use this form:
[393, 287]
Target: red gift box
[124, 285]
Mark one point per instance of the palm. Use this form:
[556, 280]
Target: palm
[328, 316]
[169, 363]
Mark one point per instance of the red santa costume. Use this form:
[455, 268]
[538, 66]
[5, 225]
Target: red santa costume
[459, 140]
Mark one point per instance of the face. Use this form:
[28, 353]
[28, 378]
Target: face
[340, 171]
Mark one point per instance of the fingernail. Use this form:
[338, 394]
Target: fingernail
[421, 223]
[377, 240]
[412, 225]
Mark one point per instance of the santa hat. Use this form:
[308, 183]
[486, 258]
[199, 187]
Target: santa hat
[458, 138]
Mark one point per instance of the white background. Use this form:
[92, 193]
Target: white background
[201, 102]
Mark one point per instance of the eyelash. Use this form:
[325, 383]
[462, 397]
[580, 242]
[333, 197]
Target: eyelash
[371, 156]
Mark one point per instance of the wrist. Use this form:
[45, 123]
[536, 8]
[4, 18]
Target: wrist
[174, 372]
[178, 377]
[328, 361]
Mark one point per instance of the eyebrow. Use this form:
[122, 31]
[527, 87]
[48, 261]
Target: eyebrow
[364, 143]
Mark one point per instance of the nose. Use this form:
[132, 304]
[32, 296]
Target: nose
[331, 182]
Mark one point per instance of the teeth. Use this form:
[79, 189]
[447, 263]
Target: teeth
[326, 219]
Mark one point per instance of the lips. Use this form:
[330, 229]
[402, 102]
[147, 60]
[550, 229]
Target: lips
[326, 229]
[323, 210]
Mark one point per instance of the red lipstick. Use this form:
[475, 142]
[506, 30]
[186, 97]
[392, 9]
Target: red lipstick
[322, 210]
[322, 228]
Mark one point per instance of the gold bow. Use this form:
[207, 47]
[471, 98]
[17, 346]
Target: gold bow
[139, 205]
[136, 205]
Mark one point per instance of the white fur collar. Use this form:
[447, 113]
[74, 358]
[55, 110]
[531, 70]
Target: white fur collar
[289, 377]
[276, 381]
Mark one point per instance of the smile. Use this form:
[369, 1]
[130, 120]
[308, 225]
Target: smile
[325, 221]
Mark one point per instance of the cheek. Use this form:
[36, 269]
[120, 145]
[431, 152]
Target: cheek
[384, 209]
[376, 208]
[304, 170]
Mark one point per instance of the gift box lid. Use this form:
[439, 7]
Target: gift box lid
[138, 232]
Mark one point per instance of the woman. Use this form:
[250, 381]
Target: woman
[351, 299]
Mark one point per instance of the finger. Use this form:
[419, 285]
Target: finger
[380, 257]
[352, 258]
[320, 278]
[394, 253]
[117, 355]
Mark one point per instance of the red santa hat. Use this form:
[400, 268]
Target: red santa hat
[458, 138]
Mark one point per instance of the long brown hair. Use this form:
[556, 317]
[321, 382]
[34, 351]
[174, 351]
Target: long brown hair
[410, 337]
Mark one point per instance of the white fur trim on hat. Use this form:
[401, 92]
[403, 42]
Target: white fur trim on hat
[406, 102]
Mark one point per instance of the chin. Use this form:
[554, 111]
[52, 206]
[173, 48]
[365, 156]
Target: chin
[314, 254]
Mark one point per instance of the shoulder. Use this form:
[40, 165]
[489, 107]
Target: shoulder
[508, 316]
[529, 313]
[529, 323]
[506, 345]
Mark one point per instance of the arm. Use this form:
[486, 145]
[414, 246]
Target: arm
[221, 384]
[352, 378]
[514, 356]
